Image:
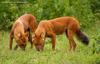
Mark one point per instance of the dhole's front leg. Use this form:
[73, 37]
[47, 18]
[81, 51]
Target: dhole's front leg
[53, 41]
[30, 40]
[11, 41]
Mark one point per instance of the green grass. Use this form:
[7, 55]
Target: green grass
[82, 55]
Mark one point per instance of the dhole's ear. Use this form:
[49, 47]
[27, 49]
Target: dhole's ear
[43, 35]
[19, 35]
[33, 35]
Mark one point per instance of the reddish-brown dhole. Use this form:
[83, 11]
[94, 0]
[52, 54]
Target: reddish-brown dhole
[57, 26]
[21, 31]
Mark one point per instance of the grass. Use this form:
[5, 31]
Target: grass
[82, 55]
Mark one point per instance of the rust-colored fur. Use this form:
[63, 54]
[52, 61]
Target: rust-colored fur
[21, 30]
[51, 28]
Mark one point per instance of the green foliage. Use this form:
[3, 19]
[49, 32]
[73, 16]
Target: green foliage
[45, 9]
[81, 9]
[95, 6]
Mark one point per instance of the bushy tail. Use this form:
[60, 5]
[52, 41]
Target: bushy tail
[82, 37]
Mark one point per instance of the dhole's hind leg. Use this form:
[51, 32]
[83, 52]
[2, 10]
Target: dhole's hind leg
[16, 47]
[67, 36]
[72, 43]
[11, 41]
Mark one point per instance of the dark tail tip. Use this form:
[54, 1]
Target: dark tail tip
[85, 40]
[82, 37]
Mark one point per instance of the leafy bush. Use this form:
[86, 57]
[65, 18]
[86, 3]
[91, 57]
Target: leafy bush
[45, 9]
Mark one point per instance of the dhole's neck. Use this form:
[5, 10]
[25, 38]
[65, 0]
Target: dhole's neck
[19, 27]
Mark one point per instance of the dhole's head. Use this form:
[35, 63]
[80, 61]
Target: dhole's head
[38, 41]
[22, 39]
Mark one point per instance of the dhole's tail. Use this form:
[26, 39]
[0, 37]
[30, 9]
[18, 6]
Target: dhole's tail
[82, 37]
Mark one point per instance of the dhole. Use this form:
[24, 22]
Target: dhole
[21, 31]
[51, 28]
